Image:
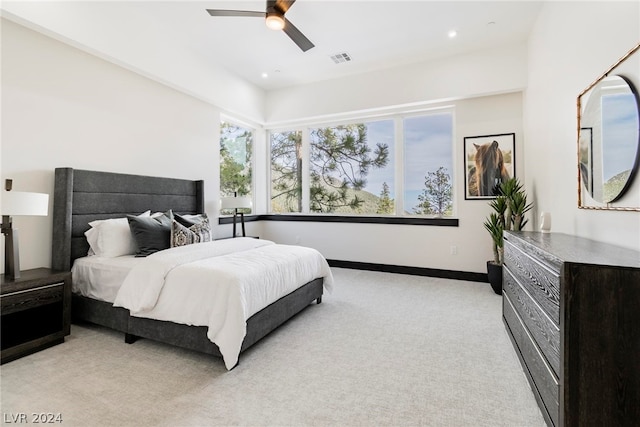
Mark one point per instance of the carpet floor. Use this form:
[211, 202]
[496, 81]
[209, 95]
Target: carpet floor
[381, 350]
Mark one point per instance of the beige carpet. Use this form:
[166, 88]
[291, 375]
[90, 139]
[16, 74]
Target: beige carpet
[382, 350]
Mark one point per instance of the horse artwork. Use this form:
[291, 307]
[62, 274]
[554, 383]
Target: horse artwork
[487, 167]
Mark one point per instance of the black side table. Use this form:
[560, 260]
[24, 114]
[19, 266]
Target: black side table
[36, 311]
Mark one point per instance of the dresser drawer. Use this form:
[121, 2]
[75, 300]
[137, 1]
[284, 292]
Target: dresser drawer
[543, 284]
[544, 382]
[545, 333]
[27, 299]
[536, 246]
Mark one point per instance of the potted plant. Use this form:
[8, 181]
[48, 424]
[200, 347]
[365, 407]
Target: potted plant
[509, 209]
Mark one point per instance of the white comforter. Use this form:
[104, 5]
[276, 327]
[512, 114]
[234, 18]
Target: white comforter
[219, 284]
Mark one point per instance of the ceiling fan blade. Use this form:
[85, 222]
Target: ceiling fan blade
[217, 12]
[283, 5]
[296, 35]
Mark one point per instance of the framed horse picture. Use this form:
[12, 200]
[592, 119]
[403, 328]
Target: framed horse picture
[489, 160]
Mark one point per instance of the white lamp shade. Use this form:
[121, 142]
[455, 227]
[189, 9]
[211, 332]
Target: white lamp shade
[235, 203]
[16, 203]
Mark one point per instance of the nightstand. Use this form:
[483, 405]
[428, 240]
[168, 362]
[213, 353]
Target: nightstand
[36, 311]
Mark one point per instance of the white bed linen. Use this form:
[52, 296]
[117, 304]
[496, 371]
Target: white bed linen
[219, 284]
[101, 277]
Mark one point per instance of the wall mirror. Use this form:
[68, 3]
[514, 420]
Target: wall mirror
[609, 139]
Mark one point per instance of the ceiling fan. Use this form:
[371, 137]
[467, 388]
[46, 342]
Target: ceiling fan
[275, 20]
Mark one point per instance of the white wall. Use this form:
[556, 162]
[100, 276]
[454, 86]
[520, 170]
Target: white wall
[492, 71]
[422, 246]
[62, 107]
[190, 71]
[572, 44]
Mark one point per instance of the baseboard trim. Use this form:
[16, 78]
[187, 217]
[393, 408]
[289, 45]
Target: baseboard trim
[414, 271]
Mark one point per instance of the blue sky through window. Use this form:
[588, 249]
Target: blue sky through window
[381, 132]
[427, 146]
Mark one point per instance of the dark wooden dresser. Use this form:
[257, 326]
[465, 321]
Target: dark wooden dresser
[571, 307]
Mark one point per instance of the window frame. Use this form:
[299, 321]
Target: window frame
[253, 129]
[439, 110]
[399, 217]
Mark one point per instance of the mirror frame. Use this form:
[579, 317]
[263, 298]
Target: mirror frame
[636, 165]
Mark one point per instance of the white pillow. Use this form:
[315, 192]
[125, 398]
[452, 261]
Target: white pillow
[111, 237]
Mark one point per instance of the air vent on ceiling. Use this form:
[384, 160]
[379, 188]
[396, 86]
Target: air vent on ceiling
[339, 58]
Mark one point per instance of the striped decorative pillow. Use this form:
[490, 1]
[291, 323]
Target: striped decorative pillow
[186, 231]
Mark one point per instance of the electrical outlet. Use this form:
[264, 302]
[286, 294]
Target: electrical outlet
[297, 240]
[454, 250]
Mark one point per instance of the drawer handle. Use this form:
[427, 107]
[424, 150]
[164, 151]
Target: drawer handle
[33, 289]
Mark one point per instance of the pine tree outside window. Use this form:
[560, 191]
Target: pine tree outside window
[236, 151]
[349, 165]
[286, 172]
[428, 165]
[357, 168]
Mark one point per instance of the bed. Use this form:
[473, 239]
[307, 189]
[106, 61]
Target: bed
[83, 196]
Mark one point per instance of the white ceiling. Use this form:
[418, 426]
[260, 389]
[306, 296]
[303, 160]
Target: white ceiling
[376, 34]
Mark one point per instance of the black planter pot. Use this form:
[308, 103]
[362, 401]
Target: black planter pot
[494, 271]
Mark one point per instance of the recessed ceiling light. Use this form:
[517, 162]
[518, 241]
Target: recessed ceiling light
[264, 75]
[452, 34]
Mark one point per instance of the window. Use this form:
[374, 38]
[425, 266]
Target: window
[351, 168]
[236, 147]
[286, 172]
[428, 164]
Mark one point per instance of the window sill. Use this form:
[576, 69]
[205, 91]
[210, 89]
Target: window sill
[356, 219]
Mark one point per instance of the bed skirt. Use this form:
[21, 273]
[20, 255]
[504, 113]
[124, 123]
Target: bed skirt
[194, 337]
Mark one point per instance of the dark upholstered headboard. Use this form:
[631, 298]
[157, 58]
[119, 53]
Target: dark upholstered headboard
[82, 196]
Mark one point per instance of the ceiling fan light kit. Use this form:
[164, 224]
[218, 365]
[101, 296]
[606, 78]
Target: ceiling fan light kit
[275, 20]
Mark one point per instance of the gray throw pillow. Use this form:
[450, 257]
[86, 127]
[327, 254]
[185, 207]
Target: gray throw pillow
[151, 234]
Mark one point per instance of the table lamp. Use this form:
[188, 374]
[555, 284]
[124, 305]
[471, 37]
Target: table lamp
[236, 203]
[15, 203]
